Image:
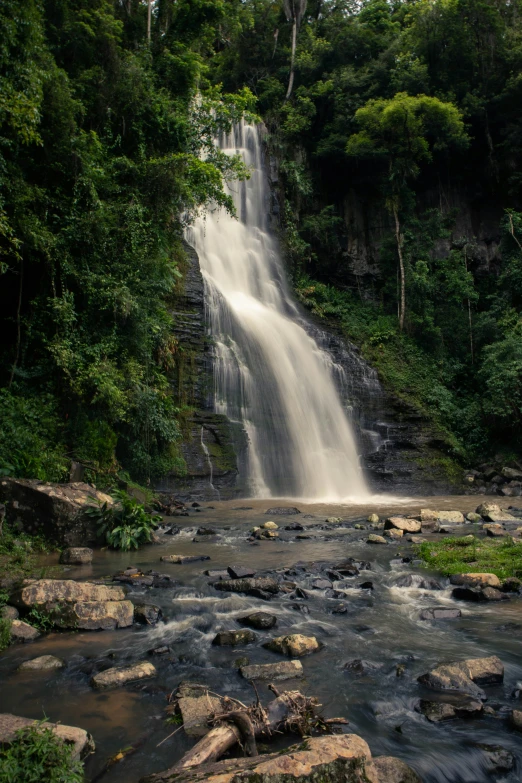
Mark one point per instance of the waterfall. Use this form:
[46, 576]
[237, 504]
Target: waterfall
[269, 374]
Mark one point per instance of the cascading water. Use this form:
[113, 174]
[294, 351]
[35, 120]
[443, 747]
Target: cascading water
[269, 373]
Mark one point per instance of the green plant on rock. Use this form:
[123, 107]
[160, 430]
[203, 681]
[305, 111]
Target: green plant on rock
[37, 755]
[125, 525]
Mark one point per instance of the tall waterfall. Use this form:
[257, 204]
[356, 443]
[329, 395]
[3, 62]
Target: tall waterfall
[269, 373]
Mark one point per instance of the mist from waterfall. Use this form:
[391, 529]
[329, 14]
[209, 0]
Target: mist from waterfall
[269, 374]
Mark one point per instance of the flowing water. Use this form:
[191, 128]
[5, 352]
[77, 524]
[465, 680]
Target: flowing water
[269, 373]
[381, 626]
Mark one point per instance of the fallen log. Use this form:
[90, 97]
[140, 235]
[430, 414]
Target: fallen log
[289, 711]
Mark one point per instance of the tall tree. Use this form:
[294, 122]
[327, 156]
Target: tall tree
[404, 132]
[294, 10]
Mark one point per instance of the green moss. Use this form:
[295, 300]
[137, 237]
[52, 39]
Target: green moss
[473, 555]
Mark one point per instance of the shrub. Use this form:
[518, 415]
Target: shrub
[125, 525]
[38, 756]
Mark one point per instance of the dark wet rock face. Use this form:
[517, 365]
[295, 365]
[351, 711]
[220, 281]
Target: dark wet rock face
[240, 572]
[147, 614]
[260, 620]
[437, 711]
[233, 638]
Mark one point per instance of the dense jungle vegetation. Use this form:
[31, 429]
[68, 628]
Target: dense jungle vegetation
[396, 128]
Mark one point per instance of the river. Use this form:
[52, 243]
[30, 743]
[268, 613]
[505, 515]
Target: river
[381, 626]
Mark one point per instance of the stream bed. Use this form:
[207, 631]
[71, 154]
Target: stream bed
[381, 626]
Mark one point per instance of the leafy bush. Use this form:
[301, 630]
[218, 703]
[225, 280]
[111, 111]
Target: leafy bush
[126, 525]
[38, 756]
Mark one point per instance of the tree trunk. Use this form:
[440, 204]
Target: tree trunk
[292, 60]
[149, 20]
[400, 241]
[18, 325]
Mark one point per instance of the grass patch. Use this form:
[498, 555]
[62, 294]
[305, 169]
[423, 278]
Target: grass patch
[473, 555]
[19, 553]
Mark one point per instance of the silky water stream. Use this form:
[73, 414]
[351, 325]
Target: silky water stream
[381, 626]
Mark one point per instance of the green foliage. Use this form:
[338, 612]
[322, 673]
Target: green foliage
[5, 633]
[471, 555]
[41, 619]
[124, 525]
[36, 755]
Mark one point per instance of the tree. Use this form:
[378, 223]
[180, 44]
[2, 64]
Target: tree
[403, 132]
[294, 10]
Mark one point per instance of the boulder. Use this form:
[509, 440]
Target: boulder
[494, 530]
[472, 516]
[76, 555]
[490, 594]
[451, 517]
[475, 580]
[392, 770]
[373, 519]
[42, 663]
[294, 526]
[182, 559]
[437, 711]
[497, 758]
[232, 638]
[465, 676]
[509, 585]
[343, 758]
[55, 511]
[81, 742]
[9, 613]
[23, 632]
[294, 645]
[427, 515]
[440, 613]
[260, 620]
[270, 526]
[511, 474]
[147, 614]
[260, 586]
[401, 523]
[321, 584]
[468, 594]
[121, 675]
[216, 575]
[240, 572]
[493, 513]
[43, 593]
[375, 539]
[285, 670]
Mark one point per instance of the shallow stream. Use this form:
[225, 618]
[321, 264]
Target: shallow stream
[381, 626]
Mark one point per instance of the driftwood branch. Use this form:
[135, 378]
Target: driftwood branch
[289, 711]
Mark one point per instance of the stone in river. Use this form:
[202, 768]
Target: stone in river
[232, 638]
[497, 758]
[47, 592]
[340, 609]
[196, 709]
[465, 676]
[121, 675]
[358, 666]
[163, 650]
[451, 517]
[440, 613]
[76, 555]
[270, 526]
[374, 539]
[294, 526]
[79, 740]
[516, 719]
[295, 645]
[468, 594]
[182, 559]
[509, 585]
[373, 519]
[206, 531]
[249, 586]
[284, 670]
[401, 523]
[473, 517]
[393, 533]
[23, 632]
[475, 579]
[366, 586]
[147, 614]
[436, 711]
[321, 584]
[281, 511]
[392, 770]
[420, 582]
[240, 572]
[260, 620]
[42, 663]
[217, 575]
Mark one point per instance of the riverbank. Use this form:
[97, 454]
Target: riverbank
[380, 625]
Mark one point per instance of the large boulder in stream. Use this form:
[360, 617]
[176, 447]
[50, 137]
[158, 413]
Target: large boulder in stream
[22, 632]
[465, 676]
[259, 620]
[121, 675]
[55, 511]
[285, 670]
[343, 758]
[294, 645]
[81, 742]
[401, 523]
[82, 605]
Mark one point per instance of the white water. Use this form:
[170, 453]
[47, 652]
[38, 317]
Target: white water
[269, 373]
